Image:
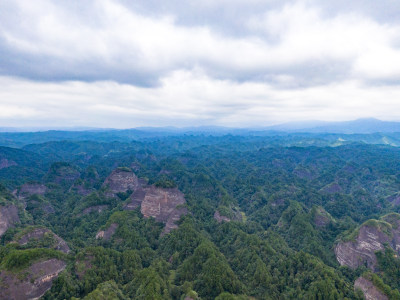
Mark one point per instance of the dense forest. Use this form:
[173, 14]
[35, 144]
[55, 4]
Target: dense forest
[199, 216]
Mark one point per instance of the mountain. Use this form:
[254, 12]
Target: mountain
[200, 216]
[360, 126]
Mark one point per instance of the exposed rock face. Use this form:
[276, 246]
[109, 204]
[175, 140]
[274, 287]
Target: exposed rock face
[29, 189]
[8, 217]
[370, 238]
[220, 218]
[38, 280]
[394, 199]
[39, 233]
[321, 217]
[5, 163]
[369, 290]
[96, 208]
[108, 233]
[82, 190]
[120, 180]
[163, 204]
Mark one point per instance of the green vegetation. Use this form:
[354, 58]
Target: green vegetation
[20, 259]
[286, 216]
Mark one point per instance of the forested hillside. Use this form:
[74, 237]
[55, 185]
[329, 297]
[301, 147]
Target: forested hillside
[289, 216]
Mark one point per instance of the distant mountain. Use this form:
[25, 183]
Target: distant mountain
[364, 126]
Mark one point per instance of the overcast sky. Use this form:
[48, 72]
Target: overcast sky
[123, 64]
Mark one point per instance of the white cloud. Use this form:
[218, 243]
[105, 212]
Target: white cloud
[190, 98]
[291, 61]
[278, 40]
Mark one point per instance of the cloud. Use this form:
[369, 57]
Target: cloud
[188, 98]
[132, 63]
[125, 46]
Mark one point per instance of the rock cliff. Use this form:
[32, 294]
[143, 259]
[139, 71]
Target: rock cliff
[233, 215]
[36, 281]
[29, 189]
[367, 239]
[119, 181]
[164, 204]
[6, 163]
[38, 234]
[370, 291]
[108, 233]
[8, 217]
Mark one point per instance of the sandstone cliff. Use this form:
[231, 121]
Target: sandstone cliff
[108, 233]
[119, 181]
[164, 204]
[370, 237]
[8, 217]
[230, 214]
[36, 281]
[370, 291]
[29, 189]
[37, 234]
[6, 163]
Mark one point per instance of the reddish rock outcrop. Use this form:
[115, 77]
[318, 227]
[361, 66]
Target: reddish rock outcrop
[5, 163]
[394, 199]
[321, 217]
[120, 181]
[8, 217]
[220, 218]
[370, 291]
[29, 189]
[233, 215]
[39, 233]
[371, 237]
[164, 204]
[37, 280]
[108, 233]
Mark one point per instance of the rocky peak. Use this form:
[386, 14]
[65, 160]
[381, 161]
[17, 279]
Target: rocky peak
[370, 237]
[119, 181]
[164, 204]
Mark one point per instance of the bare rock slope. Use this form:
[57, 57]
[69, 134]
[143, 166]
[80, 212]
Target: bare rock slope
[40, 233]
[36, 281]
[8, 217]
[370, 237]
[29, 189]
[120, 180]
[164, 204]
[369, 290]
[108, 233]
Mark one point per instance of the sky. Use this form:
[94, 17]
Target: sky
[236, 63]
